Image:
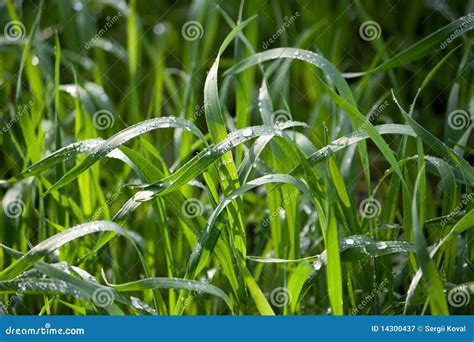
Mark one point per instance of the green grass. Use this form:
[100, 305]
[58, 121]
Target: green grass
[263, 157]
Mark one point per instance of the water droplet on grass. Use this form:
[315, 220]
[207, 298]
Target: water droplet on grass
[247, 132]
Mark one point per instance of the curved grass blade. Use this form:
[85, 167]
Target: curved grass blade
[121, 138]
[92, 289]
[171, 283]
[466, 222]
[345, 100]
[54, 242]
[65, 153]
[357, 247]
[199, 164]
[210, 233]
[438, 146]
[427, 44]
[193, 225]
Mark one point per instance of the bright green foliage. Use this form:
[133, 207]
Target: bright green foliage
[254, 157]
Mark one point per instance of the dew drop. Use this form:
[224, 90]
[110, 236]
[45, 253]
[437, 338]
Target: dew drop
[247, 132]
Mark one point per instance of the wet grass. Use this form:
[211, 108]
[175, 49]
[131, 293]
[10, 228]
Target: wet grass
[211, 157]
